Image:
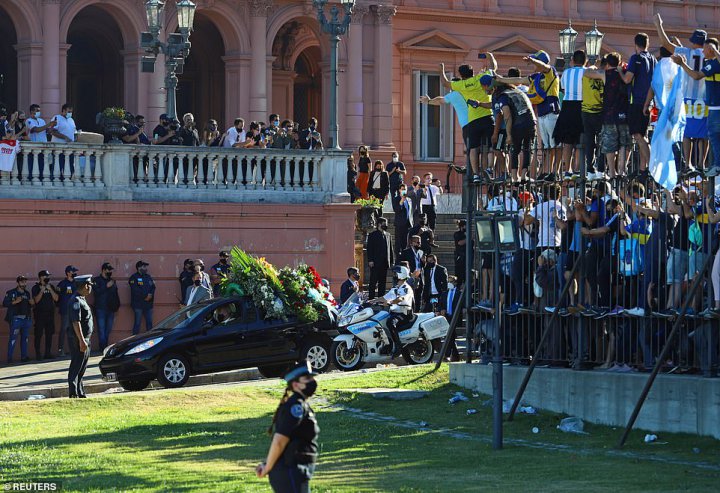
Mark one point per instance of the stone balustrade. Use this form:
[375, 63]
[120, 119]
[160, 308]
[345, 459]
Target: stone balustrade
[79, 171]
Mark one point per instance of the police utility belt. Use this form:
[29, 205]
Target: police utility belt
[291, 455]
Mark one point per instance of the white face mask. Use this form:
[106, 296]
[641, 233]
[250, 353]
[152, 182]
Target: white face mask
[395, 159]
[37, 114]
[69, 114]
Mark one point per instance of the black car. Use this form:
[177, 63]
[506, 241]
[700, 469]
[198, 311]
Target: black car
[216, 335]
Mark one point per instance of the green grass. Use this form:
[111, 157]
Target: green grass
[210, 439]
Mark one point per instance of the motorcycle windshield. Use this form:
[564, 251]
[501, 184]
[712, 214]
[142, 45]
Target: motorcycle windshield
[351, 305]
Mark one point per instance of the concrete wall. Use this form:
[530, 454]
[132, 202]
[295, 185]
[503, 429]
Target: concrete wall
[675, 403]
[52, 234]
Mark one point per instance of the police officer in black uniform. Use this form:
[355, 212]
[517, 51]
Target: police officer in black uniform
[291, 460]
[219, 271]
[79, 335]
[142, 296]
[45, 295]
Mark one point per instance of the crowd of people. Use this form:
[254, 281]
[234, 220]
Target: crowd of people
[34, 308]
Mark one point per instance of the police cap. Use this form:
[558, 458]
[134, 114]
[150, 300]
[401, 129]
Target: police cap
[301, 370]
[44, 273]
[70, 268]
[107, 266]
[20, 278]
[140, 263]
[84, 279]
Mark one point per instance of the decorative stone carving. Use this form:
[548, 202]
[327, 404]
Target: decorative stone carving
[358, 12]
[259, 8]
[384, 13]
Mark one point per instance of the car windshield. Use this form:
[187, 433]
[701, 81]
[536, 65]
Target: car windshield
[180, 318]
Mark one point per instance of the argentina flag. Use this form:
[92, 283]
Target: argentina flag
[669, 86]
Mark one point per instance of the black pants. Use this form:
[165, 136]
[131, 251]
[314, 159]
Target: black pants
[460, 265]
[291, 479]
[429, 211]
[78, 365]
[401, 234]
[592, 125]
[378, 277]
[44, 325]
[392, 327]
[523, 140]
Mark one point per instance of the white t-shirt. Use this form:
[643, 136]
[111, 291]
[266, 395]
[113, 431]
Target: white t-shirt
[406, 293]
[431, 195]
[546, 213]
[37, 136]
[65, 126]
[233, 136]
[506, 203]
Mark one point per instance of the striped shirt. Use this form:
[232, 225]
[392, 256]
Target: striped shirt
[694, 89]
[572, 79]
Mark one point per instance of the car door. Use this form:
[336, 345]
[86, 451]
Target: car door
[265, 340]
[220, 344]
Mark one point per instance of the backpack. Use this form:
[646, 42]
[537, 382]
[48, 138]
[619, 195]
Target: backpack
[536, 94]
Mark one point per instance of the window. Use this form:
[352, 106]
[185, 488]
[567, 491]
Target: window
[434, 125]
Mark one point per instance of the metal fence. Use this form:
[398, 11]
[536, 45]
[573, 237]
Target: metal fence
[629, 251]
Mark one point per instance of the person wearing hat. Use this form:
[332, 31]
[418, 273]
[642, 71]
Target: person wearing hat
[79, 336]
[696, 112]
[218, 272]
[66, 289]
[107, 303]
[399, 300]
[18, 302]
[142, 296]
[44, 295]
[290, 462]
[186, 276]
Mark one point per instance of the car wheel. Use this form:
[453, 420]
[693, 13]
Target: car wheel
[274, 371]
[419, 352]
[173, 371]
[134, 385]
[318, 354]
[346, 359]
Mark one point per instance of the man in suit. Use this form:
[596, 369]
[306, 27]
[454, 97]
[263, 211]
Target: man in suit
[413, 255]
[310, 137]
[351, 285]
[435, 279]
[448, 304]
[380, 257]
[403, 207]
[427, 236]
[197, 292]
[416, 194]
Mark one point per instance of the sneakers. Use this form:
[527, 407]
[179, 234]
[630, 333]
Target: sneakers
[710, 313]
[635, 312]
[514, 309]
[563, 312]
[476, 179]
[615, 312]
[666, 314]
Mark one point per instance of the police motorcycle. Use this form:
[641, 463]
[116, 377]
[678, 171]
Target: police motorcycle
[363, 335]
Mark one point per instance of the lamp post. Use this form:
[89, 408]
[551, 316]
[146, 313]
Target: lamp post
[567, 42]
[335, 28]
[496, 233]
[593, 43]
[176, 49]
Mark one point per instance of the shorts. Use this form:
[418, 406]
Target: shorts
[486, 261]
[569, 125]
[696, 263]
[570, 260]
[696, 122]
[613, 137]
[546, 127]
[502, 139]
[478, 133]
[638, 121]
[676, 269]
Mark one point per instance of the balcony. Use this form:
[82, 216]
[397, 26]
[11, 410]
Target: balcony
[176, 174]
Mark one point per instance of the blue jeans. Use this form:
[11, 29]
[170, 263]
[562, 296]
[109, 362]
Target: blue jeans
[713, 123]
[105, 321]
[19, 326]
[139, 314]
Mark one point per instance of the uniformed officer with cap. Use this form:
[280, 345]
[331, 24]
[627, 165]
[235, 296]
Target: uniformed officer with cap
[219, 271]
[291, 459]
[79, 335]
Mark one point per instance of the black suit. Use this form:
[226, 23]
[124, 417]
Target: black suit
[347, 290]
[441, 285]
[380, 253]
[384, 185]
[408, 255]
[427, 237]
[452, 350]
[403, 223]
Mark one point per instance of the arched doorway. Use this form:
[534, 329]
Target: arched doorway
[95, 70]
[307, 91]
[201, 86]
[8, 63]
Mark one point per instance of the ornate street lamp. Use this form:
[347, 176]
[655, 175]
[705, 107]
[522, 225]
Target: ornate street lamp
[567, 42]
[335, 28]
[593, 43]
[176, 49]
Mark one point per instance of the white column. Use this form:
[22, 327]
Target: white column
[30, 62]
[51, 57]
[382, 121]
[156, 92]
[354, 107]
[258, 63]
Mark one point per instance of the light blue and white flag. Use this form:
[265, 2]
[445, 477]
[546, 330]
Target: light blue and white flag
[669, 86]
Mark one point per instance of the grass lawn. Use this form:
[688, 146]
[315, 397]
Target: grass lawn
[210, 439]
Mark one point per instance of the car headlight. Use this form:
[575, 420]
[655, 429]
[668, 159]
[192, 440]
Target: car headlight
[105, 351]
[145, 346]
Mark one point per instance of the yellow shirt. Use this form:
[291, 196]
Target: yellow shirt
[471, 89]
[592, 95]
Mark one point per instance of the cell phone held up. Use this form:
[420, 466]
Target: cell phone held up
[482, 56]
[473, 104]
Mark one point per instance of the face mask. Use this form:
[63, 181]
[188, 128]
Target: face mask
[431, 264]
[197, 282]
[378, 169]
[275, 124]
[310, 388]
[356, 277]
[37, 114]
[416, 246]
[416, 183]
[312, 127]
[423, 223]
[403, 192]
[69, 114]
[109, 275]
[74, 275]
[384, 227]
[143, 270]
[223, 261]
[46, 280]
[394, 159]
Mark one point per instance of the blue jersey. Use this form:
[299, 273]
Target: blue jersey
[711, 69]
[459, 105]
